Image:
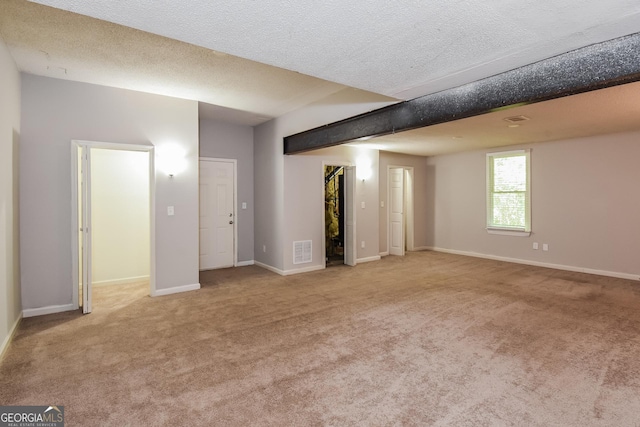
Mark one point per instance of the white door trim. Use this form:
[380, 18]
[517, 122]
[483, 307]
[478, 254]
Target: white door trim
[352, 196]
[409, 214]
[235, 201]
[75, 144]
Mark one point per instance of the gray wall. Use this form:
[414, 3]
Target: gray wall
[421, 188]
[288, 195]
[230, 141]
[10, 304]
[585, 204]
[55, 112]
[268, 198]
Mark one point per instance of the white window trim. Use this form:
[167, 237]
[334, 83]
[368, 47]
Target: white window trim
[507, 231]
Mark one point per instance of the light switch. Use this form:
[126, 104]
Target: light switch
[545, 247]
[244, 205]
[362, 204]
[170, 211]
[382, 203]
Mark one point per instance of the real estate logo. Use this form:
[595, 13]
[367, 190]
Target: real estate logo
[32, 416]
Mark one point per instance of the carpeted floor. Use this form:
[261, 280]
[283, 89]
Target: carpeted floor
[426, 339]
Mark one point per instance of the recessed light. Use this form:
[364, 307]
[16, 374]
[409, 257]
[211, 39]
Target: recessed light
[456, 137]
[513, 126]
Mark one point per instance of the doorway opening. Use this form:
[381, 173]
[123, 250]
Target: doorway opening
[334, 215]
[112, 220]
[339, 230]
[400, 210]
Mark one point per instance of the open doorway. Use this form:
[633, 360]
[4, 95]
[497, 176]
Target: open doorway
[112, 220]
[334, 214]
[339, 215]
[400, 213]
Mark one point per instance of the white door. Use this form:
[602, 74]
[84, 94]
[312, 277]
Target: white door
[396, 211]
[350, 216]
[84, 220]
[217, 214]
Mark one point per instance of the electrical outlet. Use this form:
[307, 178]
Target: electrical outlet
[535, 246]
[382, 203]
[170, 211]
[545, 247]
[362, 244]
[244, 205]
[362, 204]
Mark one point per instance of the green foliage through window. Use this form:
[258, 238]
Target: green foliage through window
[508, 195]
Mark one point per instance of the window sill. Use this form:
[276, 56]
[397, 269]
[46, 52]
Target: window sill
[508, 232]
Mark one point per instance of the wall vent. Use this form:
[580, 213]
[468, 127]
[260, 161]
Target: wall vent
[302, 251]
[516, 119]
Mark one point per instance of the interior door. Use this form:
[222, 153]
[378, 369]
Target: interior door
[217, 214]
[84, 219]
[396, 211]
[350, 216]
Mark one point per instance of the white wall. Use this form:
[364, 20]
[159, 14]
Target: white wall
[421, 187]
[230, 141]
[288, 189]
[585, 204]
[10, 304]
[55, 112]
[119, 216]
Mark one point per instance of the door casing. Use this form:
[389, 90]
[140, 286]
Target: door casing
[350, 247]
[86, 146]
[408, 206]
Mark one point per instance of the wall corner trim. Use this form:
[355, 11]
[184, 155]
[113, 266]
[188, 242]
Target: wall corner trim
[176, 290]
[51, 309]
[614, 274]
[5, 344]
[368, 259]
[384, 254]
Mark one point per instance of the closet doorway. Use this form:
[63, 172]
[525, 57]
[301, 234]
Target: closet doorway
[112, 217]
[339, 228]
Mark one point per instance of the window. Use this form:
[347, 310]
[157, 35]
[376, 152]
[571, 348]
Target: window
[508, 193]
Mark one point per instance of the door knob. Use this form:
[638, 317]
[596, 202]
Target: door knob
[230, 222]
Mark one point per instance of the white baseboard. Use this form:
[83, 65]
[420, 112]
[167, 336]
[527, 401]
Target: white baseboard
[304, 270]
[368, 259]
[290, 272]
[176, 290]
[245, 263]
[384, 254]
[615, 274]
[270, 268]
[9, 337]
[31, 312]
[422, 248]
[123, 281]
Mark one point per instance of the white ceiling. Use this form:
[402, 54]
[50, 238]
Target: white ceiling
[396, 48]
[56, 43]
[247, 61]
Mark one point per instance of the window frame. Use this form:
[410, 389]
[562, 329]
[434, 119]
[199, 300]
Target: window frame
[503, 230]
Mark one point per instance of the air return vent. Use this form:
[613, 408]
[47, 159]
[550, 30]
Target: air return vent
[302, 251]
[516, 119]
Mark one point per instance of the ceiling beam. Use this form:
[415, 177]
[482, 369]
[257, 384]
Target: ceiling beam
[597, 66]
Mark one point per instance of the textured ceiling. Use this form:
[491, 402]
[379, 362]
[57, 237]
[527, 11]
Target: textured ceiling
[55, 43]
[397, 48]
[272, 48]
[611, 110]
